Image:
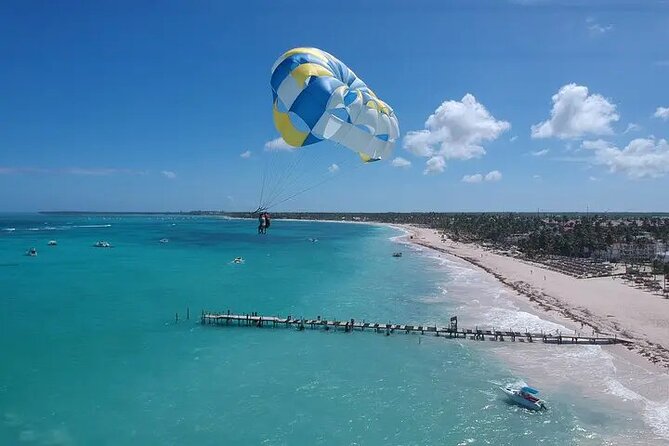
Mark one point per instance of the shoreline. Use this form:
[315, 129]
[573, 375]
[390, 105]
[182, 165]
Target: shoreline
[545, 292]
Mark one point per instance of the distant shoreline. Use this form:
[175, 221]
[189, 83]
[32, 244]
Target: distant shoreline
[331, 215]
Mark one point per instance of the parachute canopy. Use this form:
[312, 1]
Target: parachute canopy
[316, 97]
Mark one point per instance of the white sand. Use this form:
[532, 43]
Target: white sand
[606, 304]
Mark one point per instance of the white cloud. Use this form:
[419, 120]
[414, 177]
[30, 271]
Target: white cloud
[596, 28]
[456, 130]
[436, 164]
[401, 162]
[541, 152]
[513, 138]
[476, 178]
[632, 127]
[577, 113]
[591, 178]
[278, 144]
[598, 144]
[641, 158]
[245, 154]
[662, 113]
[494, 175]
[536, 176]
[168, 174]
[333, 168]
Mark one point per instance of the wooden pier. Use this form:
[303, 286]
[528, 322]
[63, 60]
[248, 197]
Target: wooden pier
[450, 331]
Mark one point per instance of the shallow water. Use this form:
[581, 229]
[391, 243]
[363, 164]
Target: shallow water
[92, 353]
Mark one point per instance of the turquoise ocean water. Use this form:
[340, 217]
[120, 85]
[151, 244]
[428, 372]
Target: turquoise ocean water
[92, 355]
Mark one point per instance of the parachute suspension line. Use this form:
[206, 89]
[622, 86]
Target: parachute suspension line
[289, 182]
[262, 188]
[287, 173]
[294, 174]
[268, 179]
[314, 186]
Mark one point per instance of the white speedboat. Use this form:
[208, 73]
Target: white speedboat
[52, 243]
[102, 244]
[32, 252]
[164, 240]
[238, 260]
[526, 397]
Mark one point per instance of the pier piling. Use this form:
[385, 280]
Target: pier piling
[450, 331]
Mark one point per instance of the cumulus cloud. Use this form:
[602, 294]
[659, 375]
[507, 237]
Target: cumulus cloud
[475, 178]
[277, 144]
[456, 130]
[492, 176]
[577, 113]
[245, 154]
[662, 113]
[596, 28]
[541, 152]
[333, 168]
[401, 162]
[641, 158]
[436, 164]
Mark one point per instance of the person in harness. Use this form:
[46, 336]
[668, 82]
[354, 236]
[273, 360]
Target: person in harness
[267, 222]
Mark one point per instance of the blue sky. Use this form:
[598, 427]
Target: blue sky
[148, 106]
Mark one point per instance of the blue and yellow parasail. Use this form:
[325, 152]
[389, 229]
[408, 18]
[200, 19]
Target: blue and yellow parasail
[316, 97]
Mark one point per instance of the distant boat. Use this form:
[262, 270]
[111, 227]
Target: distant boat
[238, 260]
[32, 252]
[102, 244]
[526, 397]
[313, 240]
[164, 240]
[52, 243]
[397, 254]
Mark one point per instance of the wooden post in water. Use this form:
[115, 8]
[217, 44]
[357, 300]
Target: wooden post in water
[176, 318]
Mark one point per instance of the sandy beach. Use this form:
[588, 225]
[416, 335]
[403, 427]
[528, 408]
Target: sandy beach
[605, 305]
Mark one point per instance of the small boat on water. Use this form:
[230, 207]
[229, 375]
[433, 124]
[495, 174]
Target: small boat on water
[397, 254]
[32, 252]
[102, 244]
[52, 243]
[526, 397]
[164, 240]
[238, 260]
